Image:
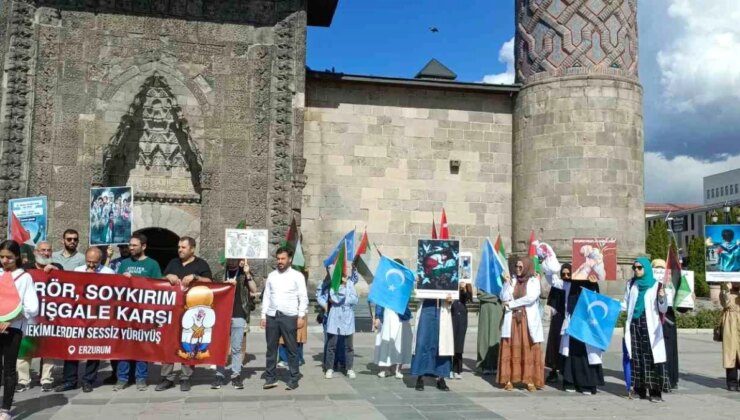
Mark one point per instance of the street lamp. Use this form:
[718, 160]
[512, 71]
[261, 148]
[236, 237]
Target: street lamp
[727, 211]
[714, 217]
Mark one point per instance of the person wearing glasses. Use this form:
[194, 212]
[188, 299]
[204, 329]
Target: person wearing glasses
[520, 355]
[644, 301]
[68, 257]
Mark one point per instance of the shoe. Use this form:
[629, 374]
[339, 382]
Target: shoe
[237, 383]
[382, 374]
[487, 372]
[586, 393]
[442, 385]
[452, 375]
[531, 388]
[120, 385]
[458, 376]
[656, 399]
[5, 415]
[570, 390]
[270, 384]
[47, 387]
[351, 374]
[87, 388]
[399, 375]
[291, 386]
[165, 385]
[111, 380]
[185, 385]
[282, 365]
[509, 386]
[329, 374]
[22, 388]
[552, 377]
[141, 385]
[419, 384]
[217, 383]
[65, 387]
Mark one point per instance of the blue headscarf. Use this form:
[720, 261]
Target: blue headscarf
[643, 284]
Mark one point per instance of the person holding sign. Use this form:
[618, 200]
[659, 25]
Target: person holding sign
[730, 300]
[18, 304]
[520, 357]
[644, 301]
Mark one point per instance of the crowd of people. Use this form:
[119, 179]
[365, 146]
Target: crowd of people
[509, 341]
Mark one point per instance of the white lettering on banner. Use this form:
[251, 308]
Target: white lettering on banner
[146, 316]
[53, 310]
[99, 333]
[127, 294]
[94, 349]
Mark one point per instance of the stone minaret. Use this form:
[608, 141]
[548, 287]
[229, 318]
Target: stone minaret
[578, 129]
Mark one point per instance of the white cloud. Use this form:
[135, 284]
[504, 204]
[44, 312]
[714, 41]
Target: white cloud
[700, 65]
[506, 56]
[681, 179]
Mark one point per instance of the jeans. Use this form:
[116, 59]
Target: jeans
[10, 344]
[237, 336]
[331, 351]
[142, 371]
[71, 368]
[284, 326]
[283, 354]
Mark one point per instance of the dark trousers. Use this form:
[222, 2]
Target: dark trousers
[10, 343]
[457, 363]
[331, 351]
[731, 375]
[71, 367]
[286, 327]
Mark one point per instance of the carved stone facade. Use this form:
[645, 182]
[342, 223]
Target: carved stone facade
[197, 104]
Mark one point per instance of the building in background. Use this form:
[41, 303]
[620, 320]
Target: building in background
[722, 187]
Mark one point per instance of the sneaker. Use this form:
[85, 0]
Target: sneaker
[452, 375]
[237, 383]
[87, 388]
[185, 385]
[65, 387]
[47, 387]
[329, 374]
[586, 393]
[655, 399]
[120, 385]
[141, 385]
[282, 365]
[552, 377]
[217, 383]
[487, 372]
[270, 384]
[291, 386]
[351, 374]
[570, 390]
[21, 388]
[382, 374]
[458, 376]
[399, 375]
[164, 385]
[5, 415]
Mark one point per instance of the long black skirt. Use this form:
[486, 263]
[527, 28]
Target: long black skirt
[670, 337]
[459, 314]
[552, 352]
[576, 371]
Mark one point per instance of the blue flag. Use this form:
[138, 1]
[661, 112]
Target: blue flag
[594, 319]
[490, 269]
[350, 239]
[392, 286]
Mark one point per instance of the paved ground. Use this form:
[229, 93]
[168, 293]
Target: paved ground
[701, 394]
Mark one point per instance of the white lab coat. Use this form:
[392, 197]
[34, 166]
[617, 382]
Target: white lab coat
[653, 309]
[531, 303]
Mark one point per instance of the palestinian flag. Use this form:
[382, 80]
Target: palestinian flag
[501, 251]
[366, 259]
[17, 232]
[675, 277]
[291, 237]
[533, 253]
[299, 260]
[339, 267]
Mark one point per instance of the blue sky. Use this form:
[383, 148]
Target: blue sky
[689, 68]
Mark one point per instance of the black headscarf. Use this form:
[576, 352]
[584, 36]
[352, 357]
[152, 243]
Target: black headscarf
[556, 298]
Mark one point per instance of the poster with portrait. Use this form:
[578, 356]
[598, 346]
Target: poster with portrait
[438, 268]
[595, 259]
[466, 267]
[722, 252]
[246, 243]
[31, 213]
[111, 215]
[688, 301]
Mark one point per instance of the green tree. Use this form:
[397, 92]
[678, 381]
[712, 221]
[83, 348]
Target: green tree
[657, 240]
[696, 264]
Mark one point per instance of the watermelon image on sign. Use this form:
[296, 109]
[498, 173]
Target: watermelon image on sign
[10, 300]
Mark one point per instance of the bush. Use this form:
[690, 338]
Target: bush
[703, 318]
[701, 287]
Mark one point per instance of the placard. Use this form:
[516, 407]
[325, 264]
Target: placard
[438, 269]
[32, 213]
[111, 215]
[466, 267]
[688, 301]
[594, 259]
[246, 243]
[722, 252]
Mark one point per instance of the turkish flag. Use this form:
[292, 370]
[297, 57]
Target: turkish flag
[17, 232]
[444, 231]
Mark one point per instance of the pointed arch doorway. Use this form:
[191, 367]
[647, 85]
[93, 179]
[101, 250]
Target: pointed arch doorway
[161, 245]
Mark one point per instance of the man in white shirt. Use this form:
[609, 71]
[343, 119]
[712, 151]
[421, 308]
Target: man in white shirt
[93, 259]
[284, 305]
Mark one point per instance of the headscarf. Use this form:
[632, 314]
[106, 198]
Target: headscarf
[556, 298]
[527, 269]
[566, 266]
[643, 284]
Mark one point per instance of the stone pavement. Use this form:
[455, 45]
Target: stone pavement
[701, 394]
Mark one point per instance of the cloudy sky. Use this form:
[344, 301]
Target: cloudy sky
[689, 68]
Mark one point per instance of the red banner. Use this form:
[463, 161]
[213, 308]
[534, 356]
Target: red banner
[87, 316]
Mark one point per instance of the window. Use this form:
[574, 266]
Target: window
[692, 221]
[736, 189]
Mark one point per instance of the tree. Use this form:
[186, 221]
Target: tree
[657, 240]
[696, 264]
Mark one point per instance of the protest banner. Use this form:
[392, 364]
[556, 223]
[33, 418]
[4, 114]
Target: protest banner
[594, 259]
[88, 316]
[722, 253]
[438, 269]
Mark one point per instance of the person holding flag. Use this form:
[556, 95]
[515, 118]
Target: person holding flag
[645, 300]
[670, 333]
[341, 318]
[488, 281]
[520, 357]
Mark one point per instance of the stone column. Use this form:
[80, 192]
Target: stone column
[578, 128]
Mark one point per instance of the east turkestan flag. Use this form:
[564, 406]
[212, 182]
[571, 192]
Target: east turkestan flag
[594, 319]
[392, 286]
[347, 241]
[490, 270]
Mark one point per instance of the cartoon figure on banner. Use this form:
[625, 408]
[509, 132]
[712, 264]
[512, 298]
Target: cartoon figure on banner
[197, 324]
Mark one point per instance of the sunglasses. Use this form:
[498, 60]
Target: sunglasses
[637, 267]
[520, 267]
[566, 274]
[72, 239]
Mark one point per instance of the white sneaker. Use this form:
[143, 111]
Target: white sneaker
[329, 374]
[458, 376]
[351, 374]
[382, 374]
[282, 365]
[452, 375]
[399, 375]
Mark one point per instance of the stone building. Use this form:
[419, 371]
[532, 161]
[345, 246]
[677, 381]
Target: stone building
[207, 109]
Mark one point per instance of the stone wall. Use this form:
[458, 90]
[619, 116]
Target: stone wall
[379, 157]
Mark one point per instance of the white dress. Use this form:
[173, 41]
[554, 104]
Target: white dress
[393, 341]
